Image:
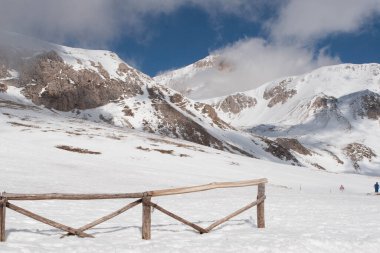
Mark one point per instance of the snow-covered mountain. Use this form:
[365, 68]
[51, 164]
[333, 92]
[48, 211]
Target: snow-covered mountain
[84, 121]
[200, 80]
[98, 86]
[44, 151]
[329, 118]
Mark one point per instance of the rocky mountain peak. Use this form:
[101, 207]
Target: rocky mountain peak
[279, 93]
[49, 81]
[366, 104]
[236, 103]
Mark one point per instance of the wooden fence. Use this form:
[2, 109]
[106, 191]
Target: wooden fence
[143, 197]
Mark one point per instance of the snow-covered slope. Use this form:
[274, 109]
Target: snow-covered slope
[200, 80]
[98, 86]
[293, 120]
[334, 112]
[43, 151]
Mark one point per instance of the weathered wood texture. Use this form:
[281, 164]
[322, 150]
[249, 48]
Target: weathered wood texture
[3, 202]
[228, 217]
[207, 187]
[47, 221]
[155, 193]
[144, 198]
[146, 219]
[186, 222]
[260, 206]
[109, 216]
[69, 196]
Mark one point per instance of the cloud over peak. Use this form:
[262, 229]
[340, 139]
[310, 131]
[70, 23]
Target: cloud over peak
[91, 21]
[309, 20]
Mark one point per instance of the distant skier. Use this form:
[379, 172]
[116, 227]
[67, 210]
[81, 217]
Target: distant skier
[376, 187]
[341, 188]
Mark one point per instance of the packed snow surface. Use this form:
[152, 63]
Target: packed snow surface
[305, 211]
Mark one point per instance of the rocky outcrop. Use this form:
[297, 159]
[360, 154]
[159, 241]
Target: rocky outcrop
[366, 104]
[334, 156]
[176, 124]
[357, 152]
[371, 106]
[323, 102]
[323, 112]
[277, 150]
[3, 87]
[293, 144]
[236, 103]
[210, 112]
[280, 93]
[47, 80]
[316, 165]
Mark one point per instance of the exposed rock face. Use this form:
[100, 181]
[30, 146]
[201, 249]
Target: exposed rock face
[174, 123]
[316, 165]
[3, 87]
[336, 158]
[358, 152]
[127, 111]
[178, 99]
[324, 102]
[211, 113]
[100, 69]
[206, 109]
[279, 151]
[132, 76]
[279, 93]
[367, 105]
[51, 82]
[236, 103]
[325, 111]
[371, 106]
[293, 144]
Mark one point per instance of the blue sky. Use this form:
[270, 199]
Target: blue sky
[189, 34]
[155, 36]
[181, 38]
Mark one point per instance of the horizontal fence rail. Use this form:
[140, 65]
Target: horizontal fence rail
[144, 198]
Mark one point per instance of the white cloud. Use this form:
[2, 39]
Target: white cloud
[100, 21]
[308, 20]
[290, 48]
[255, 60]
[250, 63]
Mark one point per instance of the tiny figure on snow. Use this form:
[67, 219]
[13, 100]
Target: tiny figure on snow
[341, 188]
[376, 187]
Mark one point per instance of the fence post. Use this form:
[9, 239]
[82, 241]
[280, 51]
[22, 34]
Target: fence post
[3, 207]
[146, 218]
[260, 206]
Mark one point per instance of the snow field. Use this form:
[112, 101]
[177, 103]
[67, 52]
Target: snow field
[305, 212]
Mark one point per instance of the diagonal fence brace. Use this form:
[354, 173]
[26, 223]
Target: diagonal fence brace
[174, 216]
[228, 217]
[108, 217]
[47, 221]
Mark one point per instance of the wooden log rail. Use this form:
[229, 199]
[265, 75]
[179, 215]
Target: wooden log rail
[144, 198]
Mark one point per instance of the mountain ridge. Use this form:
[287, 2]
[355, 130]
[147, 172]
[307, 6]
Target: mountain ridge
[291, 120]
